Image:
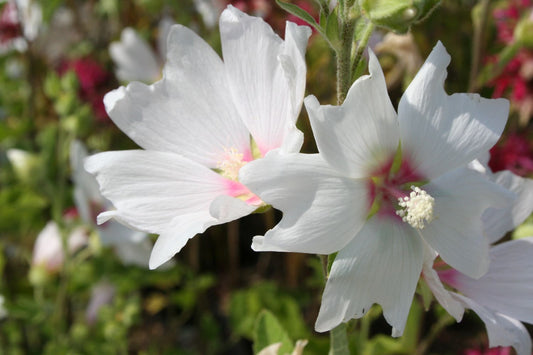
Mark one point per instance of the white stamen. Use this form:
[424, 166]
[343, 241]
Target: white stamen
[417, 208]
[229, 167]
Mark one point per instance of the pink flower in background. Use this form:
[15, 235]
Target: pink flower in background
[507, 17]
[10, 27]
[515, 153]
[20, 22]
[516, 80]
[93, 80]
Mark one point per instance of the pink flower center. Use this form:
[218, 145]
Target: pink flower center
[395, 193]
[229, 168]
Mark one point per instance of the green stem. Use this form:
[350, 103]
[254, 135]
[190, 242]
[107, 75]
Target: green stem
[361, 45]
[338, 340]
[477, 48]
[344, 67]
[433, 333]
[337, 335]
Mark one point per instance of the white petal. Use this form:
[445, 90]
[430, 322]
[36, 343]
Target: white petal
[441, 132]
[48, 248]
[497, 222]
[163, 29]
[508, 285]
[114, 233]
[265, 73]
[443, 296]
[134, 253]
[321, 210]
[178, 232]
[226, 208]
[363, 131]
[190, 112]
[456, 233]
[272, 349]
[501, 329]
[150, 189]
[381, 265]
[134, 58]
[86, 191]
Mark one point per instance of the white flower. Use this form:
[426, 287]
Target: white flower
[3, 310]
[383, 186]
[48, 248]
[101, 294]
[504, 295]
[196, 126]
[209, 10]
[134, 58]
[132, 247]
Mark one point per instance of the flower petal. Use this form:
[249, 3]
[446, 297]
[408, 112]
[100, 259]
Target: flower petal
[178, 232]
[497, 222]
[443, 296]
[134, 58]
[381, 265]
[163, 29]
[114, 233]
[226, 209]
[501, 329]
[507, 287]
[363, 131]
[192, 102]
[321, 210]
[265, 73]
[150, 189]
[135, 253]
[441, 132]
[86, 191]
[456, 233]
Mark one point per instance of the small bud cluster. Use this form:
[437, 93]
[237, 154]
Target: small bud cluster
[417, 208]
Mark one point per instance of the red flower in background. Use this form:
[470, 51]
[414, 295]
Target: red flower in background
[516, 79]
[9, 23]
[93, 79]
[515, 153]
[506, 18]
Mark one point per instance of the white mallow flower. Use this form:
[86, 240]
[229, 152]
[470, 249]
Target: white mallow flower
[132, 247]
[133, 57]
[504, 295]
[198, 126]
[382, 186]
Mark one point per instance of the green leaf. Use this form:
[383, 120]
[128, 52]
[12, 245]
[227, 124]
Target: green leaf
[411, 334]
[332, 27]
[304, 15]
[269, 331]
[299, 12]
